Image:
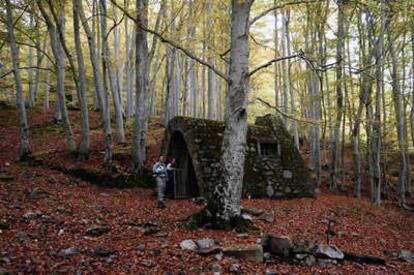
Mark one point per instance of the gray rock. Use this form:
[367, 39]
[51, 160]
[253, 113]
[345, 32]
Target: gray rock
[70, 251]
[216, 268]
[235, 268]
[210, 251]
[326, 262]
[247, 217]
[199, 200]
[205, 243]
[102, 251]
[300, 257]
[97, 231]
[310, 260]
[280, 246]
[141, 247]
[252, 252]
[188, 245]
[329, 252]
[32, 215]
[406, 256]
[270, 272]
[287, 174]
[252, 211]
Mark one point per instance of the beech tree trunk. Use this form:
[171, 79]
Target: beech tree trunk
[60, 70]
[24, 148]
[97, 77]
[142, 76]
[225, 202]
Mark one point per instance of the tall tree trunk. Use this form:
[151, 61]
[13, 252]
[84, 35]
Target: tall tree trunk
[277, 55]
[336, 148]
[142, 75]
[404, 179]
[47, 86]
[210, 60]
[84, 144]
[97, 77]
[31, 100]
[24, 148]
[59, 54]
[225, 202]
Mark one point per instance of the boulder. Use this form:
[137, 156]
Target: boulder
[70, 251]
[97, 231]
[32, 215]
[252, 252]
[406, 256]
[188, 245]
[205, 243]
[325, 251]
[280, 246]
[252, 211]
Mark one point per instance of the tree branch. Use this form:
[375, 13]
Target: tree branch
[267, 64]
[264, 13]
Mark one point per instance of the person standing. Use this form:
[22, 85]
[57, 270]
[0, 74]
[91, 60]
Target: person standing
[160, 172]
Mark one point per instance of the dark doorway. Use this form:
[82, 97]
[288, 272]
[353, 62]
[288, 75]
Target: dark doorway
[182, 181]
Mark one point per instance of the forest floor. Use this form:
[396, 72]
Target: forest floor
[45, 214]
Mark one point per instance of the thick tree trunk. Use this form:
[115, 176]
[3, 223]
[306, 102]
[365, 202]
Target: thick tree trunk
[24, 149]
[225, 201]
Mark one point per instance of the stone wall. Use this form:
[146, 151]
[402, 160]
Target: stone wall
[283, 175]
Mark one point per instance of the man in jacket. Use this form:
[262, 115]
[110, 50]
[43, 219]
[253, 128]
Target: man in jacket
[160, 173]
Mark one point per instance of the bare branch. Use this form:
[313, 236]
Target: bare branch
[267, 64]
[264, 13]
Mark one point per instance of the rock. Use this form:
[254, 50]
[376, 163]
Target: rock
[310, 260]
[4, 254]
[216, 268]
[269, 219]
[270, 191]
[242, 235]
[383, 242]
[252, 252]
[270, 272]
[61, 232]
[32, 215]
[300, 257]
[101, 251]
[326, 262]
[354, 234]
[280, 246]
[147, 263]
[6, 260]
[235, 268]
[21, 237]
[205, 243]
[4, 271]
[37, 194]
[329, 252]
[188, 245]
[210, 251]
[97, 231]
[141, 247]
[247, 217]
[69, 251]
[151, 229]
[252, 211]
[406, 256]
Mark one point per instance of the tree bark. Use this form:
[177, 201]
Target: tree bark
[59, 54]
[225, 202]
[24, 148]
